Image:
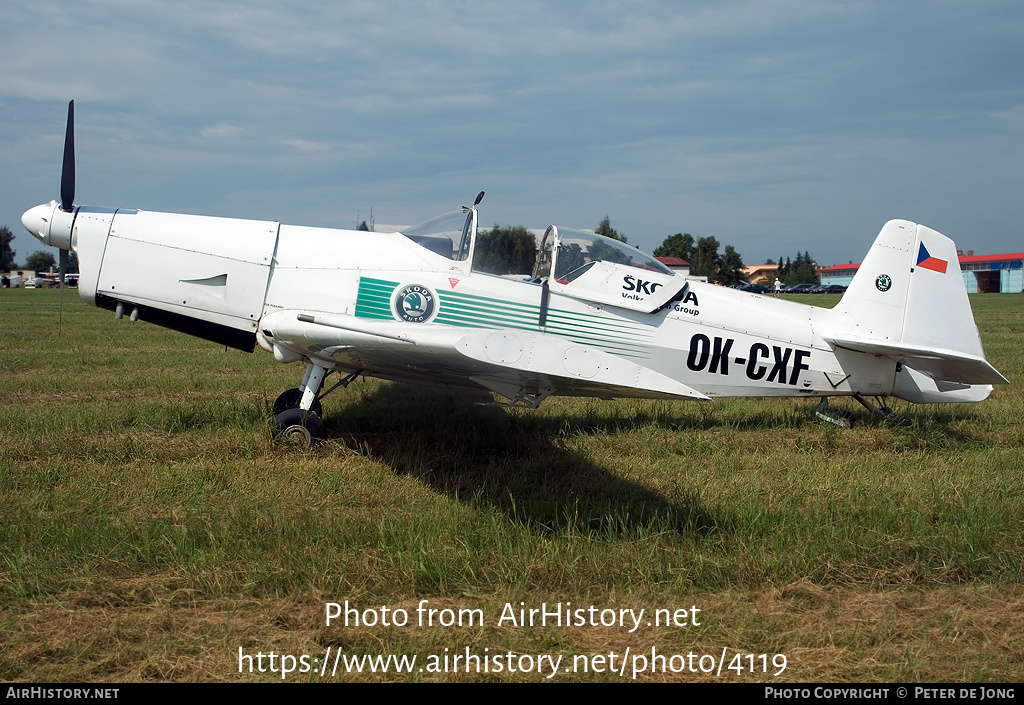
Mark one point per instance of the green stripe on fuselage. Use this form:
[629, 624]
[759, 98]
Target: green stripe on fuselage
[374, 298]
[616, 336]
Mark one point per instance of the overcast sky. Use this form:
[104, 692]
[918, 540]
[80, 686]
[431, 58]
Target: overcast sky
[774, 126]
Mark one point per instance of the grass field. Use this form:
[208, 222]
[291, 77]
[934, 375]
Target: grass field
[152, 530]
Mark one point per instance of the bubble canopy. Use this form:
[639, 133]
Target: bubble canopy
[599, 269]
[449, 235]
[576, 252]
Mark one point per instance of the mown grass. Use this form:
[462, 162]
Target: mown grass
[150, 527]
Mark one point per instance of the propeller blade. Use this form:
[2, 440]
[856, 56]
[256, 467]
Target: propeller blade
[67, 174]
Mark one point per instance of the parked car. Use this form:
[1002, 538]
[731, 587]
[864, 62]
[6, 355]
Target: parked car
[799, 288]
[754, 288]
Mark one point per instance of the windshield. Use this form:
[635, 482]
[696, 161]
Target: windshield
[578, 250]
[449, 235]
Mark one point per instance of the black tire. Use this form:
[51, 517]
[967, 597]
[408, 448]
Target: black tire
[290, 399]
[845, 418]
[302, 427]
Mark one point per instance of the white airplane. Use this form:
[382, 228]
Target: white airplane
[596, 318]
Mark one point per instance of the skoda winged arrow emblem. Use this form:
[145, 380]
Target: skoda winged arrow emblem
[414, 303]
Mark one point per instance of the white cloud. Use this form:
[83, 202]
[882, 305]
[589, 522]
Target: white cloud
[221, 131]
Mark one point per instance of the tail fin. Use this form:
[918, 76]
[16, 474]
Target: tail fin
[908, 302]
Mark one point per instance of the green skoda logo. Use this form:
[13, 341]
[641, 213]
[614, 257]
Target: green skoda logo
[883, 282]
[414, 303]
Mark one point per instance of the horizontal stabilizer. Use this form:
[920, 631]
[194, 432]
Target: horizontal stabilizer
[939, 364]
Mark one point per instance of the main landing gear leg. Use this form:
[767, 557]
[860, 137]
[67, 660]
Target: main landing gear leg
[297, 411]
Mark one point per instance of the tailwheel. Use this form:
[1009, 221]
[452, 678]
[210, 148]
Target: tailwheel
[290, 399]
[302, 427]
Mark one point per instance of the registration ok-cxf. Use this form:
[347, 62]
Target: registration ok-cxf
[594, 318]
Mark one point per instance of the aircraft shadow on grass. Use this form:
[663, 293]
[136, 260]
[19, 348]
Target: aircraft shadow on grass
[529, 468]
[526, 466]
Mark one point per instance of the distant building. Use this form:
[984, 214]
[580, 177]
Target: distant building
[1003, 274]
[760, 273]
[839, 274]
[676, 264]
[17, 277]
[982, 274]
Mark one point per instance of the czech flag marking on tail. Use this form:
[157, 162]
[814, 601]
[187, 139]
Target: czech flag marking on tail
[928, 262]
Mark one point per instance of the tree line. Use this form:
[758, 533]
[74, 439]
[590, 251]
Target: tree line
[799, 270]
[702, 254]
[727, 268]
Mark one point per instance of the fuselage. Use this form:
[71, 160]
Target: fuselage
[219, 278]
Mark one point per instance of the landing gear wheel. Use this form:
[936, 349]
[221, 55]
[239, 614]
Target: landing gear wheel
[844, 418]
[302, 427]
[290, 399]
[836, 417]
